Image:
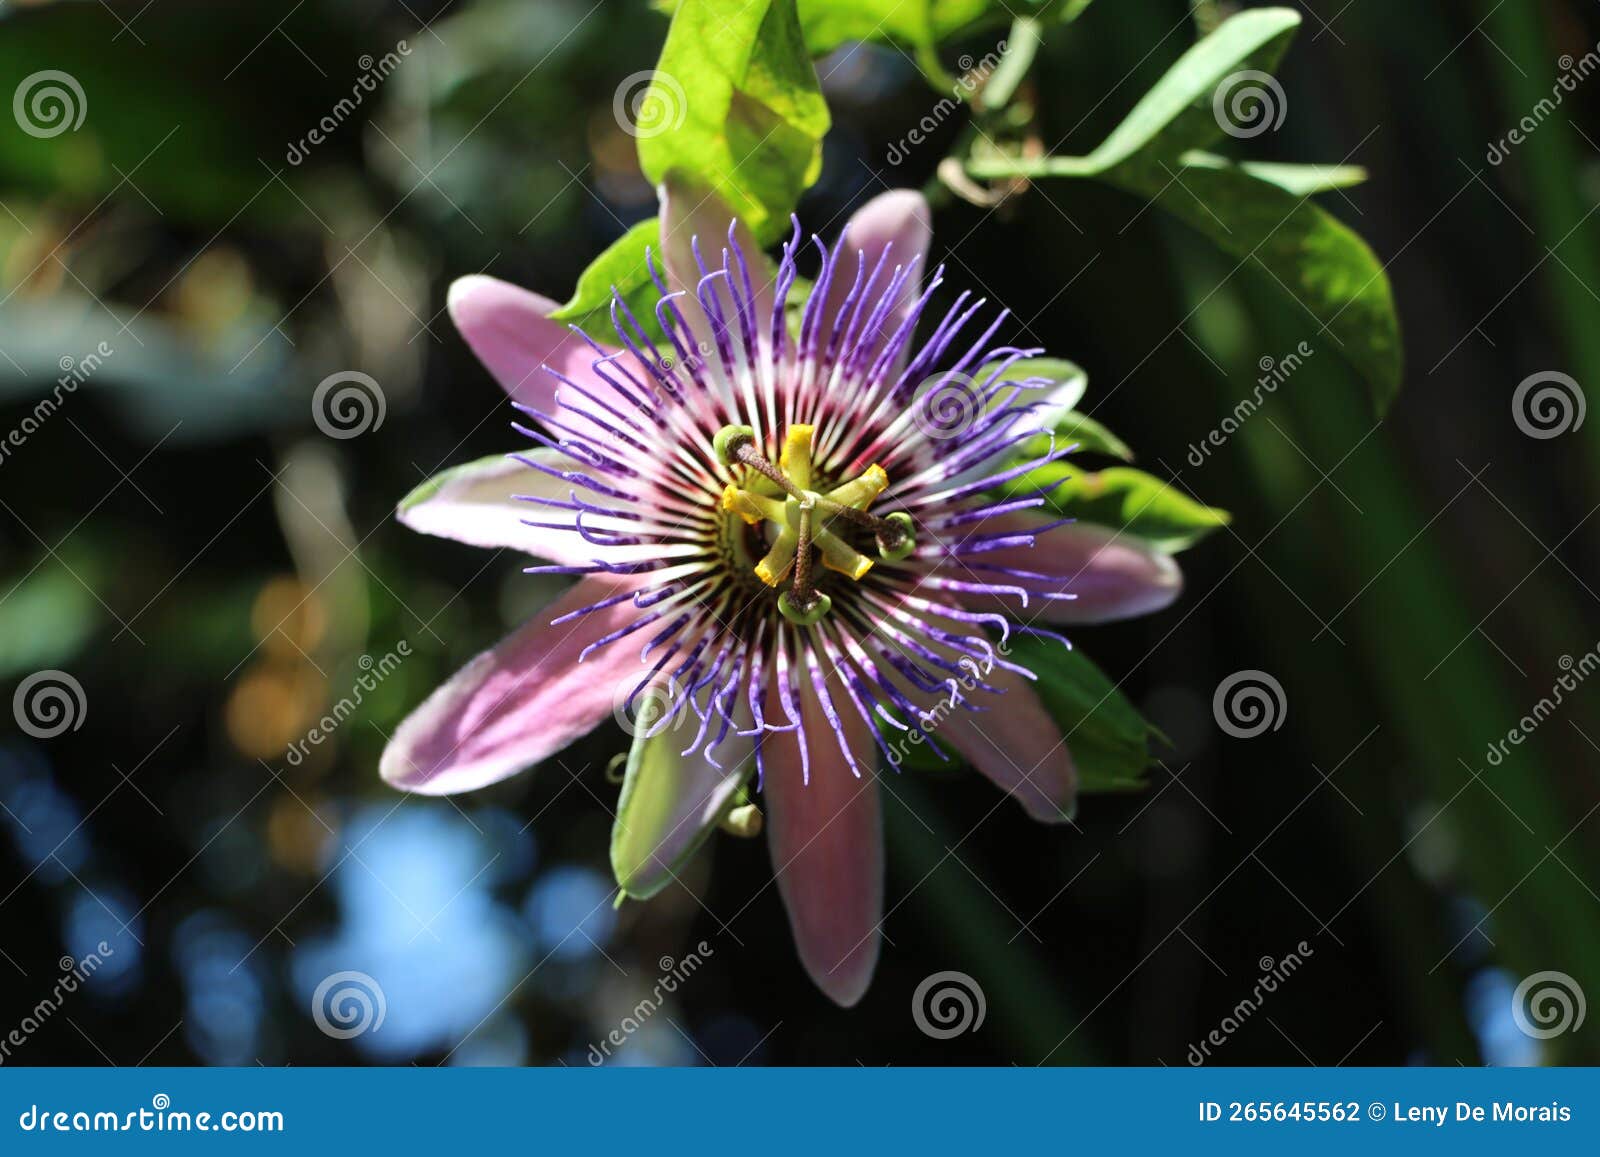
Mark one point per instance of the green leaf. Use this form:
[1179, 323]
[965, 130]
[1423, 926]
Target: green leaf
[1127, 500]
[744, 113]
[1313, 257]
[914, 24]
[1091, 436]
[1301, 180]
[1108, 738]
[669, 804]
[917, 25]
[622, 265]
[1022, 45]
[1177, 114]
[1256, 212]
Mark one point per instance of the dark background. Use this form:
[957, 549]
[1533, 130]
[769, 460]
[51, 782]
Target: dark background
[210, 567]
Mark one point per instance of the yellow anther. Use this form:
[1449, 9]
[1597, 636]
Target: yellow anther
[824, 514]
[863, 491]
[779, 561]
[753, 508]
[838, 555]
[795, 457]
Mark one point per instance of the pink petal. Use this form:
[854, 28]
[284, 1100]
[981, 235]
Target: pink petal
[522, 701]
[826, 839]
[1014, 743]
[687, 214]
[1114, 575]
[484, 503]
[510, 331]
[899, 219]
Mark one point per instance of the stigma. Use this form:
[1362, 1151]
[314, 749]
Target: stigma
[806, 517]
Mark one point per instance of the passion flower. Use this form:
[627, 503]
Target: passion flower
[793, 552]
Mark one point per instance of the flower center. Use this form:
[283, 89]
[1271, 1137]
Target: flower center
[807, 520]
